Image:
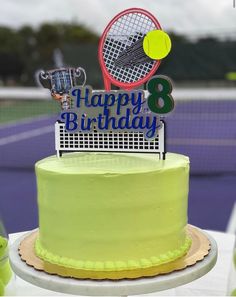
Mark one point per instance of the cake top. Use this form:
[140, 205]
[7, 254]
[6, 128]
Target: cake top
[110, 163]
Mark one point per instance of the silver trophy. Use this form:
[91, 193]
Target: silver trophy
[60, 81]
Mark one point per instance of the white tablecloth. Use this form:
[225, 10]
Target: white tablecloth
[215, 283]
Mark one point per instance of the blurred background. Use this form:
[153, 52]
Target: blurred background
[202, 64]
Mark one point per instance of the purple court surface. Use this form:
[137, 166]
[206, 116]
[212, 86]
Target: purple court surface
[205, 131]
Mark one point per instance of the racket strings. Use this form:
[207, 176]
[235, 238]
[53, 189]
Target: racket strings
[126, 31]
[133, 55]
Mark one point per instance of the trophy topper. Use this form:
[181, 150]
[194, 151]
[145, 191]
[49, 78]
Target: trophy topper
[60, 81]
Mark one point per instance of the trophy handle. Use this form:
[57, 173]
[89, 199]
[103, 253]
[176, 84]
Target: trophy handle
[44, 79]
[78, 72]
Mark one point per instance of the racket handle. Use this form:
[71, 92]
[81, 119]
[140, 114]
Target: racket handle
[107, 83]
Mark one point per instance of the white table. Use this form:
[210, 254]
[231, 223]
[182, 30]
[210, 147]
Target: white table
[214, 283]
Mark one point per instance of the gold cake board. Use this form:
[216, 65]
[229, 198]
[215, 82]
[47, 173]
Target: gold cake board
[199, 249]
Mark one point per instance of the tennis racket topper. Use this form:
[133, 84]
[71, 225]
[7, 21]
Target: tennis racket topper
[131, 48]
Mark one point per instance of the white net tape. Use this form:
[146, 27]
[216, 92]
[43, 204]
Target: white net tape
[122, 34]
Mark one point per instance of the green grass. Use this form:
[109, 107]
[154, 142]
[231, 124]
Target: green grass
[13, 110]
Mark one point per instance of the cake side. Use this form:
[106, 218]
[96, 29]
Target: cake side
[112, 211]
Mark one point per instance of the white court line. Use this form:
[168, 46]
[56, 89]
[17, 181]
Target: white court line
[174, 141]
[24, 121]
[179, 93]
[24, 93]
[231, 227]
[177, 116]
[190, 116]
[202, 141]
[26, 135]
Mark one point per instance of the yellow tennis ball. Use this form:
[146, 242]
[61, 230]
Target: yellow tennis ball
[157, 44]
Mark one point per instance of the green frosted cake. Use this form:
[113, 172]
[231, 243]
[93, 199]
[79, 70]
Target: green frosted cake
[109, 212]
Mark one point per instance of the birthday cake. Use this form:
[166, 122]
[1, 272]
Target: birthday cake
[108, 212]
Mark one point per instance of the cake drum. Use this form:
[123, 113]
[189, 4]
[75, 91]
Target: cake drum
[199, 260]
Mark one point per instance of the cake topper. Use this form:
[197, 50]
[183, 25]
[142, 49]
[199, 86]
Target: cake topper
[125, 57]
[155, 45]
[117, 121]
[125, 120]
[120, 111]
[60, 81]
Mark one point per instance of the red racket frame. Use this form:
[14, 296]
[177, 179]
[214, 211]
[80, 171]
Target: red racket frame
[107, 77]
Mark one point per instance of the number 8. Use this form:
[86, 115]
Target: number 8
[157, 93]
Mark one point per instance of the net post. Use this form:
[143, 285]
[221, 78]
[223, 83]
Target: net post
[57, 139]
[162, 141]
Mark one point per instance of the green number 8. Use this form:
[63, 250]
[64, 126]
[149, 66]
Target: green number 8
[160, 87]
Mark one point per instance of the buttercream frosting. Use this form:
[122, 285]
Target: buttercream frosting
[110, 211]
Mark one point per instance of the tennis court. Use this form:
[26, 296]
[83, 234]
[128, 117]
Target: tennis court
[205, 130]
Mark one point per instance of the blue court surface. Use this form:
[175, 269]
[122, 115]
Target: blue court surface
[203, 130]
